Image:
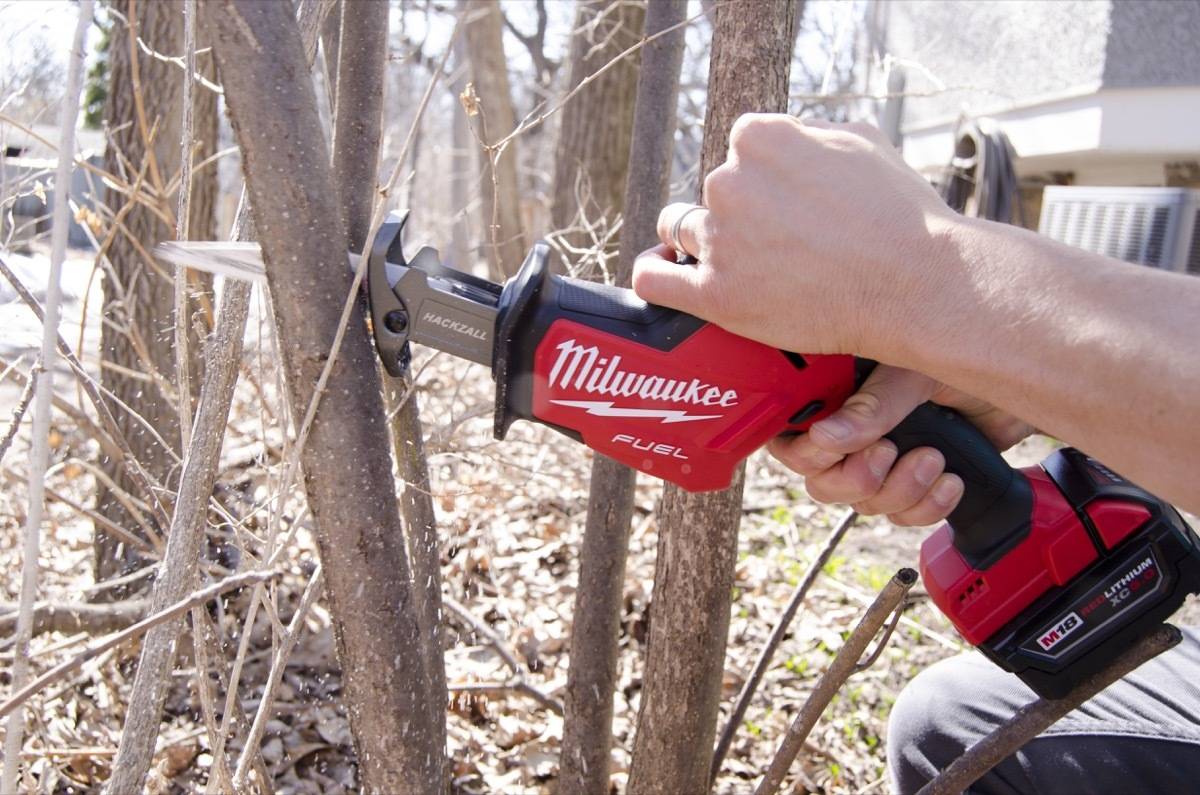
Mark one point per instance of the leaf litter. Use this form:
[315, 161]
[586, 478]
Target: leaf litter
[511, 519]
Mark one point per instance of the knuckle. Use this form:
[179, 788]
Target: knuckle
[743, 130]
[715, 186]
[752, 130]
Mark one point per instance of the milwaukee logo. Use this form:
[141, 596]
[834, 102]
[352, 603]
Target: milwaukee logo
[582, 367]
[1129, 576]
[1055, 636]
[454, 325]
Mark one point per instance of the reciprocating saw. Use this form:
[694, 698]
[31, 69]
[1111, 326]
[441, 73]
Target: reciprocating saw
[1051, 570]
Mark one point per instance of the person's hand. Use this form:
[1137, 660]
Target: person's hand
[815, 238]
[844, 458]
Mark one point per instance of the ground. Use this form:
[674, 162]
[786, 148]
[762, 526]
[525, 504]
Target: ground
[511, 518]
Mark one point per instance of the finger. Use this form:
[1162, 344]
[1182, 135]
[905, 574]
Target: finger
[689, 221]
[909, 480]
[799, 454]
[659, 279]
[887, 396]
[856, 479]
[935, 506]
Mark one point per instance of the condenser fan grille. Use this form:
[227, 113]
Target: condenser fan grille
[1147, 226]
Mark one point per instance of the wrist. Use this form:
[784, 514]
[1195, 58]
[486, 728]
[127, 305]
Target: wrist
[918, 311]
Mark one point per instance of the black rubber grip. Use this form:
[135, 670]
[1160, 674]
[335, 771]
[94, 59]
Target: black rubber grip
[606, 301]
[997, 503]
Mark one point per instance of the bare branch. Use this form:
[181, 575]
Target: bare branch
[112, 641]
[831, 681]
[295, 627]
[19, 411]
[44, 389]
[1034, 718]
[777, 635]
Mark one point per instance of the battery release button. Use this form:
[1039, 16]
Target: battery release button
[1115, 520]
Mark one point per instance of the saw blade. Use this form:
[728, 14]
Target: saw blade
[233, 260]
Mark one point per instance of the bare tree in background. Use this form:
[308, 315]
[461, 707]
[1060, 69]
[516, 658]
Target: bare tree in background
[32, 87]
[697, 533]
[142, 116]
[592, 676]
[544, 67]
[595, 131]
[345, 457]
[502, 237]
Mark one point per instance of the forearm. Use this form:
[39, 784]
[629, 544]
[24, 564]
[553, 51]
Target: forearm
[1100, 354]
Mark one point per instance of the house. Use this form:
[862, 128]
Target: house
[28, 160]
[1088, 92]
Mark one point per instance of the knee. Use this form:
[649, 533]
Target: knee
[936, 717]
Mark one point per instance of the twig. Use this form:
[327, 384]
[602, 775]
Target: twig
[777, 634]
[953, 644]
[295, 627]
[499, 688]
[139, 475]
[517, 681]
[44, 389]
[89, 617]
[183, 376]
[174, 611]
[1035, 717]
[202, 630]
[842, 667]
[19, 412]
[531, 121]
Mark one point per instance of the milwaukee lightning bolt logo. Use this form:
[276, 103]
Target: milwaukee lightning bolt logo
[581, 367]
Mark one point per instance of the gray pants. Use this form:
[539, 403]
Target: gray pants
[1141, 735]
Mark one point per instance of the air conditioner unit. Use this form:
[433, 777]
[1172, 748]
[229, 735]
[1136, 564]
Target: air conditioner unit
[1159, 227]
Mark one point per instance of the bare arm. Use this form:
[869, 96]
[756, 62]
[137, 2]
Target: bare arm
[818, 238]
[1096, 352]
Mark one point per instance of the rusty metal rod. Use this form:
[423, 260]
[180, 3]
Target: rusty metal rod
[843, 665]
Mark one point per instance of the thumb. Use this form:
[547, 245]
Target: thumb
[659, 279]
[887, 396]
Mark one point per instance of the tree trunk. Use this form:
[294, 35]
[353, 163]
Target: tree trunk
[137, 343]
[346, 460]
[596, 126]
[503, 240]
[356, 141]
[697, 546]
[592, 676]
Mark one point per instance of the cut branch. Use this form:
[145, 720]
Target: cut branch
[1034, 718]
[777, 634]
[889, 600]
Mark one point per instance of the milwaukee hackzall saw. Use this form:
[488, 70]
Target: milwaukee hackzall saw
[1051, 570]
